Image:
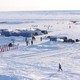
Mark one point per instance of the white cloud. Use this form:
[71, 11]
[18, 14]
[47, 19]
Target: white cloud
[12, 5]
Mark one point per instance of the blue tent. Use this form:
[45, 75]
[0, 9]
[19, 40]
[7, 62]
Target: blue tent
[25, 34]
[14, 34]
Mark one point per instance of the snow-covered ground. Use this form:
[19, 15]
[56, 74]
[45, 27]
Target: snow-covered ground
[40, 61]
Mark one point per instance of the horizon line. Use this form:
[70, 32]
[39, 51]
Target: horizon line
[37, 10]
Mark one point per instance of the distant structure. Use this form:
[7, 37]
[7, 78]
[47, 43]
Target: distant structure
[24, 33]
[62, 39]
[74, 21]
[69, 26]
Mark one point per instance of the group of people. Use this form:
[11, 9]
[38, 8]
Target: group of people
[30, 42]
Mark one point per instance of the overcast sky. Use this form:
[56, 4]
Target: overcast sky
[29, 5]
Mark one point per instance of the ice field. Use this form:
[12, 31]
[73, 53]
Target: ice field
[40, 61]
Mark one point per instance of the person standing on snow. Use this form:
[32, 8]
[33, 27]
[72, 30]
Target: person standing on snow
[40, 38]
[31, 42]
[27, 43]
[60, 68]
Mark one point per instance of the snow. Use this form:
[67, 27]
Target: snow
[40, 61]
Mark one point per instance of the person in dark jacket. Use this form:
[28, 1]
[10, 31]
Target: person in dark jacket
[40, 38]
[31, 42]
[60, 68]
[33, 38]
[27, 43]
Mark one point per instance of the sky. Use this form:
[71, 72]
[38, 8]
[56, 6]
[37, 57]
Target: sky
[37, 5]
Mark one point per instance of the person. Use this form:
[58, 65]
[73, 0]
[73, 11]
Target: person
[41, 39]
[10, 45]
[60, 68]
[31, 42]
[33, 38]
[27, 43]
